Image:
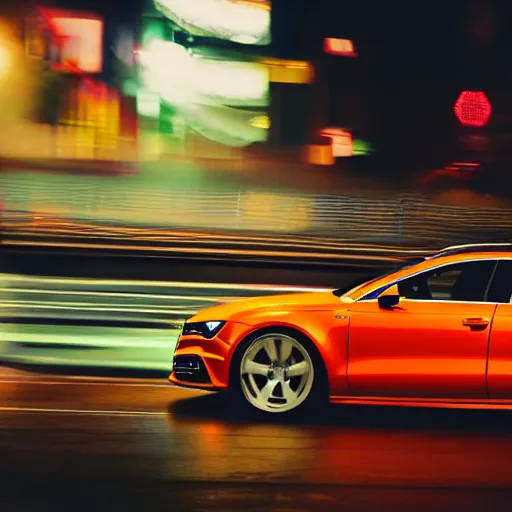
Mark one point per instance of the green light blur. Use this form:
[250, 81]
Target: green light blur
[79, 300]
[361, 147]
[152, 29]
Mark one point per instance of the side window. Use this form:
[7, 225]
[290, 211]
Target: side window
[501, 286]
[466, 282]
[442, 284]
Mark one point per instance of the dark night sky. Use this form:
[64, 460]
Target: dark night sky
[403, 42]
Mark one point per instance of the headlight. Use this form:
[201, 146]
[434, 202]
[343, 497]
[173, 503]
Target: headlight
[205, 329]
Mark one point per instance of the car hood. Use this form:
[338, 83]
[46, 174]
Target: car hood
[290, 302]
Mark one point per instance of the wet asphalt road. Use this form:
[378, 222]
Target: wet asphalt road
[87, 443]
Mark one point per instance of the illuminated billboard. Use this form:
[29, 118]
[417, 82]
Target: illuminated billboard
[239, 21]
[182, 77]
[78, 36]
[225, 101]
[82, 42]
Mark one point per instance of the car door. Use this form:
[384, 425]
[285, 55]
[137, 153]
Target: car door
[433, 344]
[499, 369]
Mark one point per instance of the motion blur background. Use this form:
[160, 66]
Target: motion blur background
[147, 145]
[161, 156]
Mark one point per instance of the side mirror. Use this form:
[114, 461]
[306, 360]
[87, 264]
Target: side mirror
[389, 298]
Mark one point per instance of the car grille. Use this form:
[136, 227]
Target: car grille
[190, 369]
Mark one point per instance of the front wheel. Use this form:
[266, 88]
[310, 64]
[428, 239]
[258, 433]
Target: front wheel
[277, 373]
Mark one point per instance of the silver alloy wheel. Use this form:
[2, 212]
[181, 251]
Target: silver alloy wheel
[276, 373]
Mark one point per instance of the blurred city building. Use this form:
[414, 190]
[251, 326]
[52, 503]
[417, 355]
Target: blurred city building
[235, 78]
[220, 76]
[203, 78]
[208, 79]
[88, 115]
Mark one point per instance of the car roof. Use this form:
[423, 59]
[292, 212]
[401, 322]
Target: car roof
[474, 248]
[483, 252]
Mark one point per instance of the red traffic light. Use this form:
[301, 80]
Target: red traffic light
[473, 108]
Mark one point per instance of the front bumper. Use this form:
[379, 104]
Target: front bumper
[191, 369]
[196, 371]
[205, 364]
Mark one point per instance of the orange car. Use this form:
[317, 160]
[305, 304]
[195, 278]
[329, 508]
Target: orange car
[434, 333]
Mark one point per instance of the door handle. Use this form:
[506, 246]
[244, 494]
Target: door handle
[476, 322]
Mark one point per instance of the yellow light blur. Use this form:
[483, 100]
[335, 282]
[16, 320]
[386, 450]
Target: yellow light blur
[289, 71]
[4, 60]
[262, 122]
[16, 85]
[260, 4]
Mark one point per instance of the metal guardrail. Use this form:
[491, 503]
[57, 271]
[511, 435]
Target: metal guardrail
[119, 300]
[116, 205]
[105, 323]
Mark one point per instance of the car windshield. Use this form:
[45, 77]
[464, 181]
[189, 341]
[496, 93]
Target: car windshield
[374, 276]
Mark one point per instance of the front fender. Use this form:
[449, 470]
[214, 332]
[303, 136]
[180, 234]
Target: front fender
[328, 331]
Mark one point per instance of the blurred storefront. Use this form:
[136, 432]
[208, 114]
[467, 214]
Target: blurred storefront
[89, 117]
[88, 120]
